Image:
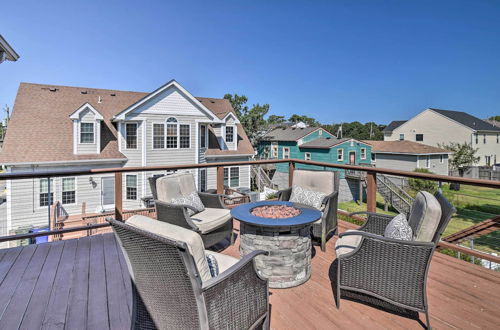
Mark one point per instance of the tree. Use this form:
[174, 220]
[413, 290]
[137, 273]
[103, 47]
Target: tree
[305, 119]
[357, 130]
[495, 118]
[274, 120]
[252, 118]
[417, 185]
[464, 155]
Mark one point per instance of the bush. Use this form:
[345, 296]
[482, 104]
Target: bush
[422, 184]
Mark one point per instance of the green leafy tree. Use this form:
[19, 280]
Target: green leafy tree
[495, 118]
[357, 130]
[464, 155]
[274, 120]
[305, 119]
[252, 118]
[417, 185]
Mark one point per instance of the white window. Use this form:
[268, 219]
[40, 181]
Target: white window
[340, 155]
[131, 186]
[203, 136]
[229, 134]
[441, 159]
[68, 191]
[131, 135]
[172, 128]
[184, 136]
[307, 155]
[286, 153]
[87, 133]
[320, 132]
[44, 192]
[363, 153]
[232, 176]
[158, 136]
[274, 151]
[401, 137]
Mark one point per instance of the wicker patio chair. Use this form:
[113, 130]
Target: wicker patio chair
[172, 285]
[389, 269]
[328, 183]
[214, 224]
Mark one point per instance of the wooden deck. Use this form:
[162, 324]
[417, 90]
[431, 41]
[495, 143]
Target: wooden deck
[83, 283]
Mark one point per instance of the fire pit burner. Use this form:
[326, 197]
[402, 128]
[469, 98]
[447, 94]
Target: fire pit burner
[275, 211]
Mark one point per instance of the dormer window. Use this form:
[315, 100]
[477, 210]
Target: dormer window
[229, 134]
[87, 133]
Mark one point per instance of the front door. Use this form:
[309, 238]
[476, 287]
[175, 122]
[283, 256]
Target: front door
[352, 158]
[108, 192]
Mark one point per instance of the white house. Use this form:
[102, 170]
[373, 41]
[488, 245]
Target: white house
[436, 126]
[60, 127]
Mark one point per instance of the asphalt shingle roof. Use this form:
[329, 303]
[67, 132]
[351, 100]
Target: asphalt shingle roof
[467, 120]
[288, 133]
[404, 147]
[393, 125]
[323, 143]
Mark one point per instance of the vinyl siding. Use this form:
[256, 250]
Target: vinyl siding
[244, 172]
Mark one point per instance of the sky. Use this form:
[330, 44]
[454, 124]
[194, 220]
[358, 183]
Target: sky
[336, 61]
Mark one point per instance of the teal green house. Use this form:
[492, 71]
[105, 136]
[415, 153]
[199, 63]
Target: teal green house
[316, 144]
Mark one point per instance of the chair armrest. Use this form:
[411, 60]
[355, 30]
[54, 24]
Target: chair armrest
[212, 200]
[238, 297]
[375, 222]
[175, 214]
[381, 238]
[327, 198]
[285, 194]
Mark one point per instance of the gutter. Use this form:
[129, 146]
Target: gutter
[63, 162]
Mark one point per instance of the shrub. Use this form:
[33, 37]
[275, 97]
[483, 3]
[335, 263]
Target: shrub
[422, 184]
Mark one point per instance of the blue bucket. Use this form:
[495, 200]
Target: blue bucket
[39, 239]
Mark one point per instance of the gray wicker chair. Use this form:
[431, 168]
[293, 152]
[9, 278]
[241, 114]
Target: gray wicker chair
[392, 270]
[178, 215]
[328, 183]
[170, 293]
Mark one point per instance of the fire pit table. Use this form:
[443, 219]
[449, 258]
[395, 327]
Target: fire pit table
[282, 229]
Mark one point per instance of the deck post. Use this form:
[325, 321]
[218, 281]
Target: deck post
[371, 192]
[291, 168]
[118, 196]
[220, 179]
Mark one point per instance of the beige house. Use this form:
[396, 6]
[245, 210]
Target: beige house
[435, 126]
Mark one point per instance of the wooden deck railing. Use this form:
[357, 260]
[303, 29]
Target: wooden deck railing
[371, 175]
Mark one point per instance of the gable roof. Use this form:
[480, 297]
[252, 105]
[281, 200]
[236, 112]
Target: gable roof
[288, 133]
[40, 129]
[404, 147]
[76, 114]
[326, 143]
[10, 53]
[467, 120]
[393, 125]
[244, 146]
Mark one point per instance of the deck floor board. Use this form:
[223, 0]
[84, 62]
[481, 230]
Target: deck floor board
[84, 284]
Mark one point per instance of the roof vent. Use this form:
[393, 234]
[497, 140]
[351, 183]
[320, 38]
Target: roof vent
[53, 89]
[212, 101]
[84, 92]
[112, 94]
[328, 137]
[99, 99]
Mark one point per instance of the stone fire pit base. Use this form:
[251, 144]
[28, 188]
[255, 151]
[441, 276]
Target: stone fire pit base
[289, 260]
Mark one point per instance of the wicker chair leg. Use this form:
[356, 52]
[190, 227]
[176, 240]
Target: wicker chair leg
[337, 298]
[428, 321]
[323, 242]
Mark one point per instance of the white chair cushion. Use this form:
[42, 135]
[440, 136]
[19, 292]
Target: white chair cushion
[175, 185]
[425, 216]
[193, 199]
[307, 197]
[322, 181]
[223, 261]
[167, 230]
[347, 244]
[398, 228]
[210, 219]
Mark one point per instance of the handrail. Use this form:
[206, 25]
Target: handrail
[51, 232]
[368, 169]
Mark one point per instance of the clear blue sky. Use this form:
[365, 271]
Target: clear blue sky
[332, 60]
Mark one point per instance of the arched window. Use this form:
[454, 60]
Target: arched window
[172, 133]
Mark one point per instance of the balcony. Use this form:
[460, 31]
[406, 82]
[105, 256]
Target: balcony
[84, 283]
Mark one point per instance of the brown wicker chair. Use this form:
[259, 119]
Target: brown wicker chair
[392, 270]
[178, 214]
[169, 290]
[328, 183]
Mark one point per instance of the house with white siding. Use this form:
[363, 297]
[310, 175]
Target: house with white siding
[61, 127]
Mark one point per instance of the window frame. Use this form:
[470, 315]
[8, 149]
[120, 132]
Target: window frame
[283, 152]
[484, 138]
[203, 180]
[176, 124]
[181, 136]
[232, 134]
[306, 154]
[74, 191]
[228, 176]
[127, 191]
[274, 150]
[136, 136]
[373, 157]
[441, 159]
[80, 132]
[203, 136]
[153, 136]
[401, 137]
[47, 193]
[362, 153]
[340, 154]
[477, 138]
[416, 137]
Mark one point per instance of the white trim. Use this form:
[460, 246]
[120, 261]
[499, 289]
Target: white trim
[361, 157]
[341, 150]
[206, 135]
[305, 156]
[76, 191]
[98, 136]
[76, 114]
[120, 138]
[236, 121]
[229, 176]
[152, 135]
[228, 156]
[75, 137]
[63, 162]
[166, 130]
[171, 83]
[136, 134]
[136, 187]
[234, 134]
[9, 206]
[411, 153]
[319, 128]
[283, 152]
[190, 139]
[11, 53]
[80, 132]
[107, 206]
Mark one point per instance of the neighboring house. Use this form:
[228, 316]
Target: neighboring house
[408, 155]
[7, 53]
[316, 144]
[60, 127]
[435, 126]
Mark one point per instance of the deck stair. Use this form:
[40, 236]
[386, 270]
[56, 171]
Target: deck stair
[483, 228]
[394, 194]
[261, 178]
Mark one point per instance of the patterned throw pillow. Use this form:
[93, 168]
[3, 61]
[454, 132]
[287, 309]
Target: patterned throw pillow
[307, 197]
[398, 228]
[192, 200]
[212, 265]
